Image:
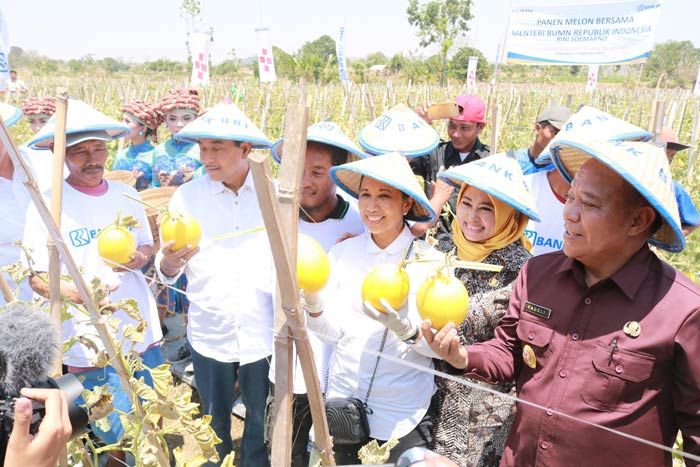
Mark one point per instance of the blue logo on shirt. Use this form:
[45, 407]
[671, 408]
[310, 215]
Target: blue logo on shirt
[82, 237]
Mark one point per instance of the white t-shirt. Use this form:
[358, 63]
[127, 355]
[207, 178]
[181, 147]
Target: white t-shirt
[14, 201]
[400, 393]
[82, 218]
[327, 234]
[548, 235]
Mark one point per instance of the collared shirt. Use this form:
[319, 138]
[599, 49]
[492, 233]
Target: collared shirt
[547, 235]
[82, 218]
[400, 394]
[527, 162]
[344, 219]
[230, 281]
[590, 368]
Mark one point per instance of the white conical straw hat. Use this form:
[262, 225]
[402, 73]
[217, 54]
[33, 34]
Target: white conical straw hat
[224, 121]
[326, 133]
[399, 129]
[642, 165]
[500, 176]
[81, 118]
[589, 123]
[392, 169]
[9, 114]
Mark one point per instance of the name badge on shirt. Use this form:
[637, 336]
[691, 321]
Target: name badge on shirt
[538, 310]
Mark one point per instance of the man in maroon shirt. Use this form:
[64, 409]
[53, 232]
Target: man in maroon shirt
[604, 332]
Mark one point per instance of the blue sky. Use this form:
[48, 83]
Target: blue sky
[141, 30]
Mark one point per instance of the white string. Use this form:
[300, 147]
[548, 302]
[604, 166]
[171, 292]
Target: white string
[463, 382]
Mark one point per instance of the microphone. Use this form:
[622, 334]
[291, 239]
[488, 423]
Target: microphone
[28, 346]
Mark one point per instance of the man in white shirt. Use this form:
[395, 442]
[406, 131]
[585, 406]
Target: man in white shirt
[14, 201]
[90, 203]
[16, 86]
[548, 190]
[549, 122]
[230, 278]
[329, 218]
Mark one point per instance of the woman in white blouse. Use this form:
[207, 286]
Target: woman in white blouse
[388, 196]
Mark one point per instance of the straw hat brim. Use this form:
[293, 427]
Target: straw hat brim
[114, 132]
[642, 135]
[348, 178]
[124, 176]
[158, 198]
[420, 151]
[10, 114]
[353, 153]
[195, 136]
[457, 180]
[569, 157]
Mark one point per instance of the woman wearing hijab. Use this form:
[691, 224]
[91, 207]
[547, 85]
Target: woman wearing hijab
[174, 161]
[398, 395]
[143, 120]
[493, 209]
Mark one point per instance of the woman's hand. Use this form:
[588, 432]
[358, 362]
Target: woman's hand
[395, 321]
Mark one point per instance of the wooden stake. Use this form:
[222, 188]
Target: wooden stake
[278, 213]
[6, 290]
[658, 120]
[494, 129]
[59, 153]
[692, 155]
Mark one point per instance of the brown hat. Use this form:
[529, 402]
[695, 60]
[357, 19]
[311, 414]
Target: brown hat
[145, 113]
[176, 99]
[39, 106]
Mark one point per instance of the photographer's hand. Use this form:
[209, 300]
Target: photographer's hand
[42, 449]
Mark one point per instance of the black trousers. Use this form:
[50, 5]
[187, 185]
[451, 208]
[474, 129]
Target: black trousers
[420, 436]
[301, 426]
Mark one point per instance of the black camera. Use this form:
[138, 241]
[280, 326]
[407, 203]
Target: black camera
[71, 388]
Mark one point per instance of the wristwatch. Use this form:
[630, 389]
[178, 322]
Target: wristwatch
[413, 338]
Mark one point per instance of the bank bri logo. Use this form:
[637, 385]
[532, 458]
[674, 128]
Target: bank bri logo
[82, 237]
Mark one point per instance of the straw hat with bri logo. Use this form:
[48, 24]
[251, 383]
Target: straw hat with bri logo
[392, 169]
[326, 133]
[642, 165]
[227, 122]
[399, 129]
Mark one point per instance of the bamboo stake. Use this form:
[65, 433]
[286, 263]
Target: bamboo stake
[6, 290]
[291, 169]
[278, 214]
[59, 152]
[494, 128]
[693, 143]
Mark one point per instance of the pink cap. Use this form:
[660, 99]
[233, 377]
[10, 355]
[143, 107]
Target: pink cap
[472, 108]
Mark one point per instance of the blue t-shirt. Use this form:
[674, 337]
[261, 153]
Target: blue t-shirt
[522, 155]
[686, 209]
